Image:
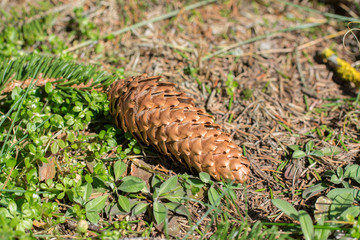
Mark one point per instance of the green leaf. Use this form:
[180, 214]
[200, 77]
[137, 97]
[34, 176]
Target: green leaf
[353, 172]
[232, 194]
[340, 203]
[97, 204]
[329, 173]
[156, 181]
[176, 196]
[119, 168]
[61, 143]
[137, 149]
[334, 179]
[124, 203]
[309, 146]
[213, 196]
[93, 217]
[71, 137]
[59, 187]
[168, 185]
[177, 207]
[317, 153]
[306, 224]
[12, 207]
[132, 184]
[31, 127]
[340, 172]
[61, 195]
[5, 212]
[102, 134]
[32, 176]
[322, 234]
[343, 191]
[26, 224]
[118, 149]
[112, 143]
[87, 191]
[205, 177]
[156, 193]
[48, 87]
[11, 162]
[195, 182]
[313, 190]
[139, 208]
[77, 109]
[298, 154]
[352, 211]
[88, 178]
[286, 207]
[32, 148]
[27, 213]
[115, 209]
[54, 147]
[159, 211]
[294, 147]
[331, 151]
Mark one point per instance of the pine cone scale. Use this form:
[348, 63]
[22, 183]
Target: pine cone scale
[155, 113]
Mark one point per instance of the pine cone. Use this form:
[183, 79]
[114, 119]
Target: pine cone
[155, 113]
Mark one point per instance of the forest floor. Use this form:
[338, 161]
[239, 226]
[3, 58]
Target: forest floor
[255, 65]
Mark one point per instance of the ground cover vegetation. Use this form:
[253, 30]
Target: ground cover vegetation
[66, 171]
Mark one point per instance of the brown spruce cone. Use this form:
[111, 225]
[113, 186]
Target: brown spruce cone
[155, 113]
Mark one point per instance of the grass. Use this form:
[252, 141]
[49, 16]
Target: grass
[66, 171]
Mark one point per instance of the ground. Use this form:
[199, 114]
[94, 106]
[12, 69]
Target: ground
[255, 65]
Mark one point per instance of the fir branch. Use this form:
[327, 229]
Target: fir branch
[20, 72]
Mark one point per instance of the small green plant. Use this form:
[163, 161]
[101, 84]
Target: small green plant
[246, 93]
[83, 26]
[338, 177]
[56, 120]
[311, 154]
[19, 33]
[305, 220]
[332, 212]
[193, 73]
[165, 195]
[20, 217]
[309, 151]
[8, 231]
[231, 86]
